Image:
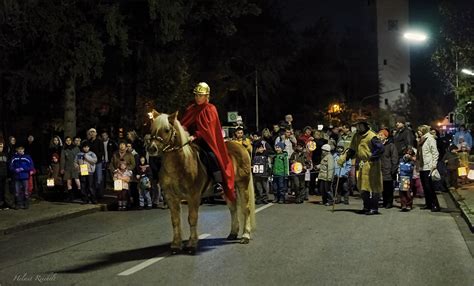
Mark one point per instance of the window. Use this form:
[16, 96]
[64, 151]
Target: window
[393, 25]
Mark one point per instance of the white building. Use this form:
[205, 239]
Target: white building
[393, 51]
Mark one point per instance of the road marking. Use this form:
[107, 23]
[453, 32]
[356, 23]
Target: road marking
[151, 261]
[264, 207]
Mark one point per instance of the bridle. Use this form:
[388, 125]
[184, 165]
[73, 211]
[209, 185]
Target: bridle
[169, 144]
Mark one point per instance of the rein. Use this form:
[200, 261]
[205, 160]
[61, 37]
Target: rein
[169, 144]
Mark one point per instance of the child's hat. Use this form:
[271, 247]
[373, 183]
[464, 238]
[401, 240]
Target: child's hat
[280, 145]
[326, 147]
[55, 155]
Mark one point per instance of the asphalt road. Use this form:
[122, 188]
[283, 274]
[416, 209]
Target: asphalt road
[294, 245]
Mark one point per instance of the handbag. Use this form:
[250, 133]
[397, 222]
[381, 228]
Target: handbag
[435, 175]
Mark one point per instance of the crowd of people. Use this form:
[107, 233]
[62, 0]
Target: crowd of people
[80, 169]
[337, 161]
[334, 162]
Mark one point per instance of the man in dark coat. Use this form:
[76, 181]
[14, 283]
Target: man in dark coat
[389, 168]
[403, 138]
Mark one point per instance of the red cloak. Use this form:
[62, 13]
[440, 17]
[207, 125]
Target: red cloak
[203, 121]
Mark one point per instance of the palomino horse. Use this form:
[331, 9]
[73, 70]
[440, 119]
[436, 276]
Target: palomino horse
[184, 177]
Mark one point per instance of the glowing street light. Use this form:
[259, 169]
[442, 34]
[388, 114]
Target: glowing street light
[414, 36]
[467, 71]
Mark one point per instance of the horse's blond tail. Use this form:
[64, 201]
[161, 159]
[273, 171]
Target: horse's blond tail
[251, 203]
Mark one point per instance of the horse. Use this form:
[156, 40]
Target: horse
[184, 177]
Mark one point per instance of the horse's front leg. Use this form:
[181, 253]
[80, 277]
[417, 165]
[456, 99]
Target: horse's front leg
[234, 224]
[244, 208]
[174, 204]
[193, 212]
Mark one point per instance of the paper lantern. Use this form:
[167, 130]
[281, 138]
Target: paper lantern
[50, 182]
[404, 183]
[118, 186]
[470, 175]
[297, 167]
[84, 169]
[311, 145]
[462, 171]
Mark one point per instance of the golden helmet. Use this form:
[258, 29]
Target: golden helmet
[202, 88]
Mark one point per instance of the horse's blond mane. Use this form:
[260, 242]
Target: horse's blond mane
[162, 122]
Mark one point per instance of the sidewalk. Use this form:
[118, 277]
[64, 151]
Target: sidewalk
[43, 212]
[464, 198]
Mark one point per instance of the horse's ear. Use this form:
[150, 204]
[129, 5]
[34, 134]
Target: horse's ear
[153, 114]
[172, 117]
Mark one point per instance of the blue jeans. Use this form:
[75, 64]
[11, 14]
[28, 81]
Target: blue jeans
[144, 194]
[279, 187]
[21, 192]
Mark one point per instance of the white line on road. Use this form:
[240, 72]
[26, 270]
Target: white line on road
[151, 261]
[264, 207]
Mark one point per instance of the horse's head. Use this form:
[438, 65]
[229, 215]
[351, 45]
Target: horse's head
[163, 133]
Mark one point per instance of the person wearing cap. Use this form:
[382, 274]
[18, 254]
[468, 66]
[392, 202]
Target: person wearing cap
[389, 167]
[202, 122]
[280, 171]
[404, 136]
[326, 175]
[367, 149]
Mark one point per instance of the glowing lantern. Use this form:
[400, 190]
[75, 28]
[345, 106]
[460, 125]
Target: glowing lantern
[462, 171]
[297, 167]
[311, 145]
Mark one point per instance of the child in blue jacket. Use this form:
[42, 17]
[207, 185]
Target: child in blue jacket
[20, 166]
[405, 175]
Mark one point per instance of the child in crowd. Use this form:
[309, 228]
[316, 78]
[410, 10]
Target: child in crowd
[123, 175]
[280, 172]
[261, 172]
[144, 176]
[341, 174]
[54, 173]
[21, 165]
[85, 163]
[326, 174]
[405, 175]
[298, 184]
[451, 160]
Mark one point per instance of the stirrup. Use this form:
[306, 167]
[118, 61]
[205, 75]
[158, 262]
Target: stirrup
[218, 189]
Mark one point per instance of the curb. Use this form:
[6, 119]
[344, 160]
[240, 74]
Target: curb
[57, 218]
[465, 210]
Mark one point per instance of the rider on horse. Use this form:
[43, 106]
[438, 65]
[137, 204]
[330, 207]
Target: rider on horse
[202, 122]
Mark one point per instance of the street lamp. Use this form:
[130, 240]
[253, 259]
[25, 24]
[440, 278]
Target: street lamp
[467, 71]
[415, 36]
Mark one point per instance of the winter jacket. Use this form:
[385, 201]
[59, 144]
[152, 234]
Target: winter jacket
[389, 161]
[97, 147]
[451, 160]
[53, 172]
[126, 156]
[20, 166]
[125, 176]
[406, 168]
[89, 158]
[260, 165]
[403, 138]
[326, 168]
[68, 157]
[280, 164]
[429, 153]
[343, 171]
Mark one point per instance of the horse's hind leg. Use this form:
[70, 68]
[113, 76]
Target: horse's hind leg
[234, 226]
[193, 209]
[175, 209]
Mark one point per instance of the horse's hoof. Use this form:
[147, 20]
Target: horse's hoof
[191, 250]
[244, 240]
[175, 251]
[232, 237]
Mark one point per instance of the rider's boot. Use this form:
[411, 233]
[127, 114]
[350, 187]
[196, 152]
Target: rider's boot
[218, 187]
